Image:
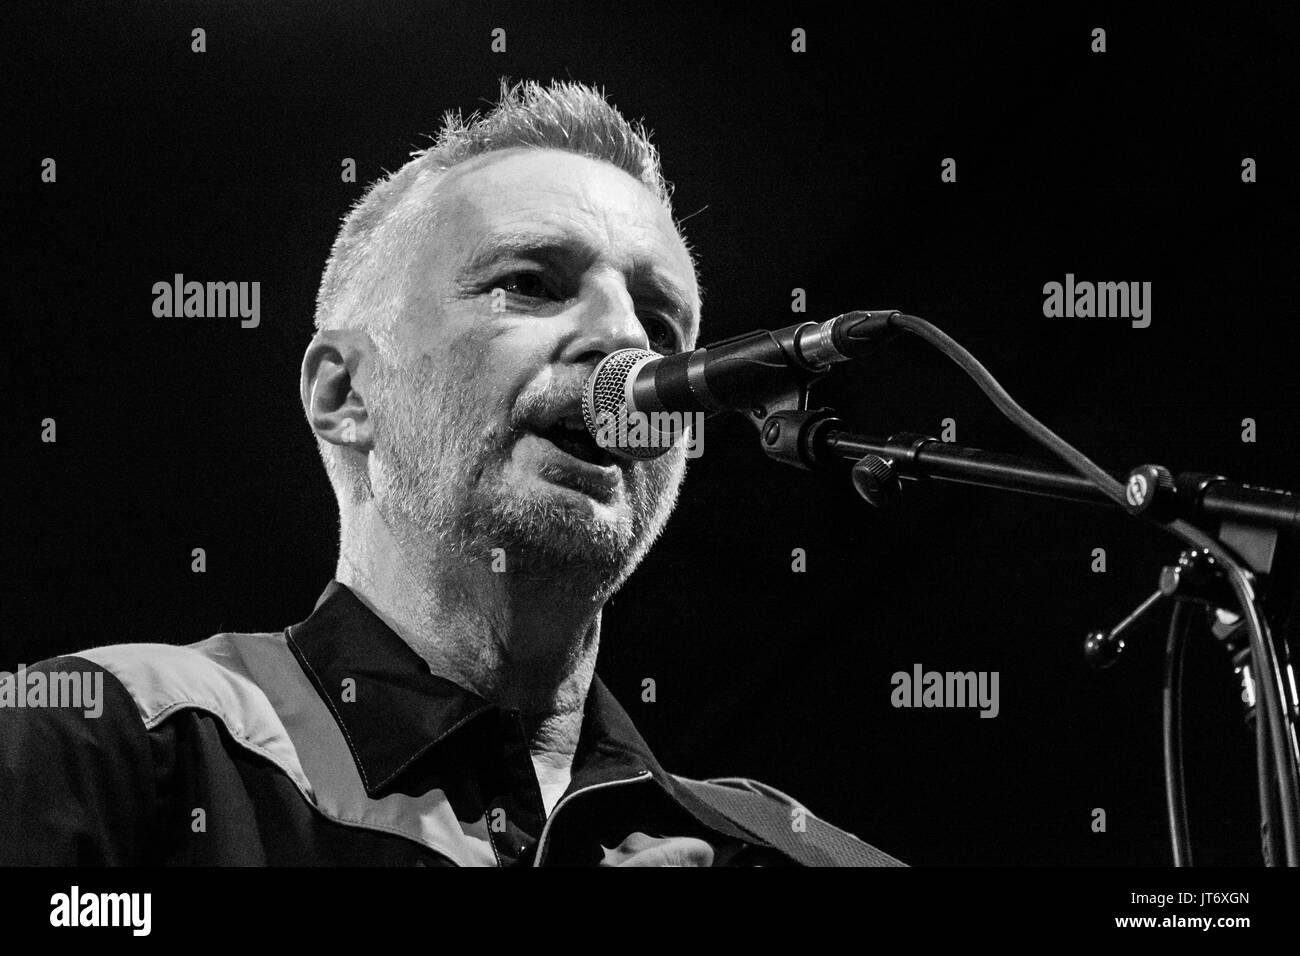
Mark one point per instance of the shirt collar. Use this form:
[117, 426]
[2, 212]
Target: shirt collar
[392, 709]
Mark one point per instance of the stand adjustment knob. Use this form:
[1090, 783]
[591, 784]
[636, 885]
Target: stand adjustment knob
[1150, 489]
[1103, 648]
[876, 480]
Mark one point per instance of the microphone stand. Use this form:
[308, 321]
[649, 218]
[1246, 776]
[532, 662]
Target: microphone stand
[1249, 520]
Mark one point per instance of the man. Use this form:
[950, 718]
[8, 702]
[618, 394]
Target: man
[439, 706]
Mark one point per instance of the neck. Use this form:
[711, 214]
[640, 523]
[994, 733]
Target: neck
[523, 642]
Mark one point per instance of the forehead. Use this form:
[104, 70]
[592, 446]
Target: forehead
[574, 198]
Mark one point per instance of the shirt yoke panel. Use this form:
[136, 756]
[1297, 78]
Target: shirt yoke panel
[254, 686]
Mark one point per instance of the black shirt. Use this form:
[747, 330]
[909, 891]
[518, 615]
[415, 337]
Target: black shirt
[332, 743]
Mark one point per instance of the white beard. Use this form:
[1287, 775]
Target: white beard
[437, 472]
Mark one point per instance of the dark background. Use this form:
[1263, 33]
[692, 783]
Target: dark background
[818, 171]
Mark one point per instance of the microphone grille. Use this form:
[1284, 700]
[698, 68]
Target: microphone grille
[607, 396]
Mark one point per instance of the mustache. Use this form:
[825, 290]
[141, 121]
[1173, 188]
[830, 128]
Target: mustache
[533, 406]
[543, 402]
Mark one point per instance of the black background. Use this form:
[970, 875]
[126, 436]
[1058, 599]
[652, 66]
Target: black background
[816, 170]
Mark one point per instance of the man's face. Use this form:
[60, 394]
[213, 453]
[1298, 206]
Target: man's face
[538, 264]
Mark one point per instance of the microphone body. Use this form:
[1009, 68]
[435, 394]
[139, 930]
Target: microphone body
[633, 385]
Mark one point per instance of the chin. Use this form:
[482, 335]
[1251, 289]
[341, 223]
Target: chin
[554, 529]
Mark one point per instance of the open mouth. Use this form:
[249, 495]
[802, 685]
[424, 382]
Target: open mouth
[571, 436]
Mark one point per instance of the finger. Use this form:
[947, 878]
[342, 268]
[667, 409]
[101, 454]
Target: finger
[640, 850]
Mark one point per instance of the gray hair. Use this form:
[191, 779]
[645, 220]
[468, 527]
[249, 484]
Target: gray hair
[365, 281]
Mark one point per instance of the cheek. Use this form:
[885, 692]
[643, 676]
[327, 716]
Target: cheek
[487, 370]
[515, 362]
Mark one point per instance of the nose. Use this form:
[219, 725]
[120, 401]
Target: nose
[605, 320]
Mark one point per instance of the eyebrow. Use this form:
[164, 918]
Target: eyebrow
[647, 281]
[524, 245]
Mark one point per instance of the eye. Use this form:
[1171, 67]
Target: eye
[662, 336]
[529, 285]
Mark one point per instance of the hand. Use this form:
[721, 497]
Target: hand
[642, 850]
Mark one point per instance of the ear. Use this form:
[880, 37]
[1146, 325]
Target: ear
[335, 372]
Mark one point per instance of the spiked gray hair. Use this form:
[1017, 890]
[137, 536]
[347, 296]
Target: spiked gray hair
[365, 281]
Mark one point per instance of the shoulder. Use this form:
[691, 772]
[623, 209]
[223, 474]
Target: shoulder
[132, 689]
[82, 778]
[68, 696]
[115, 689]
[218, 675]
[785, 822]
[243, 680]
[76, 766]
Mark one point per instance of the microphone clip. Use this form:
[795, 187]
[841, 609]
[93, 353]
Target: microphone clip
[790, 435]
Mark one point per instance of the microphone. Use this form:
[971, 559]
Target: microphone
[659, 392]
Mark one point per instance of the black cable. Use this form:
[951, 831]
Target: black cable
[1280, 734]
[1272, 693]
[1268, 808]
[1009, 407]
[1172, 712]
